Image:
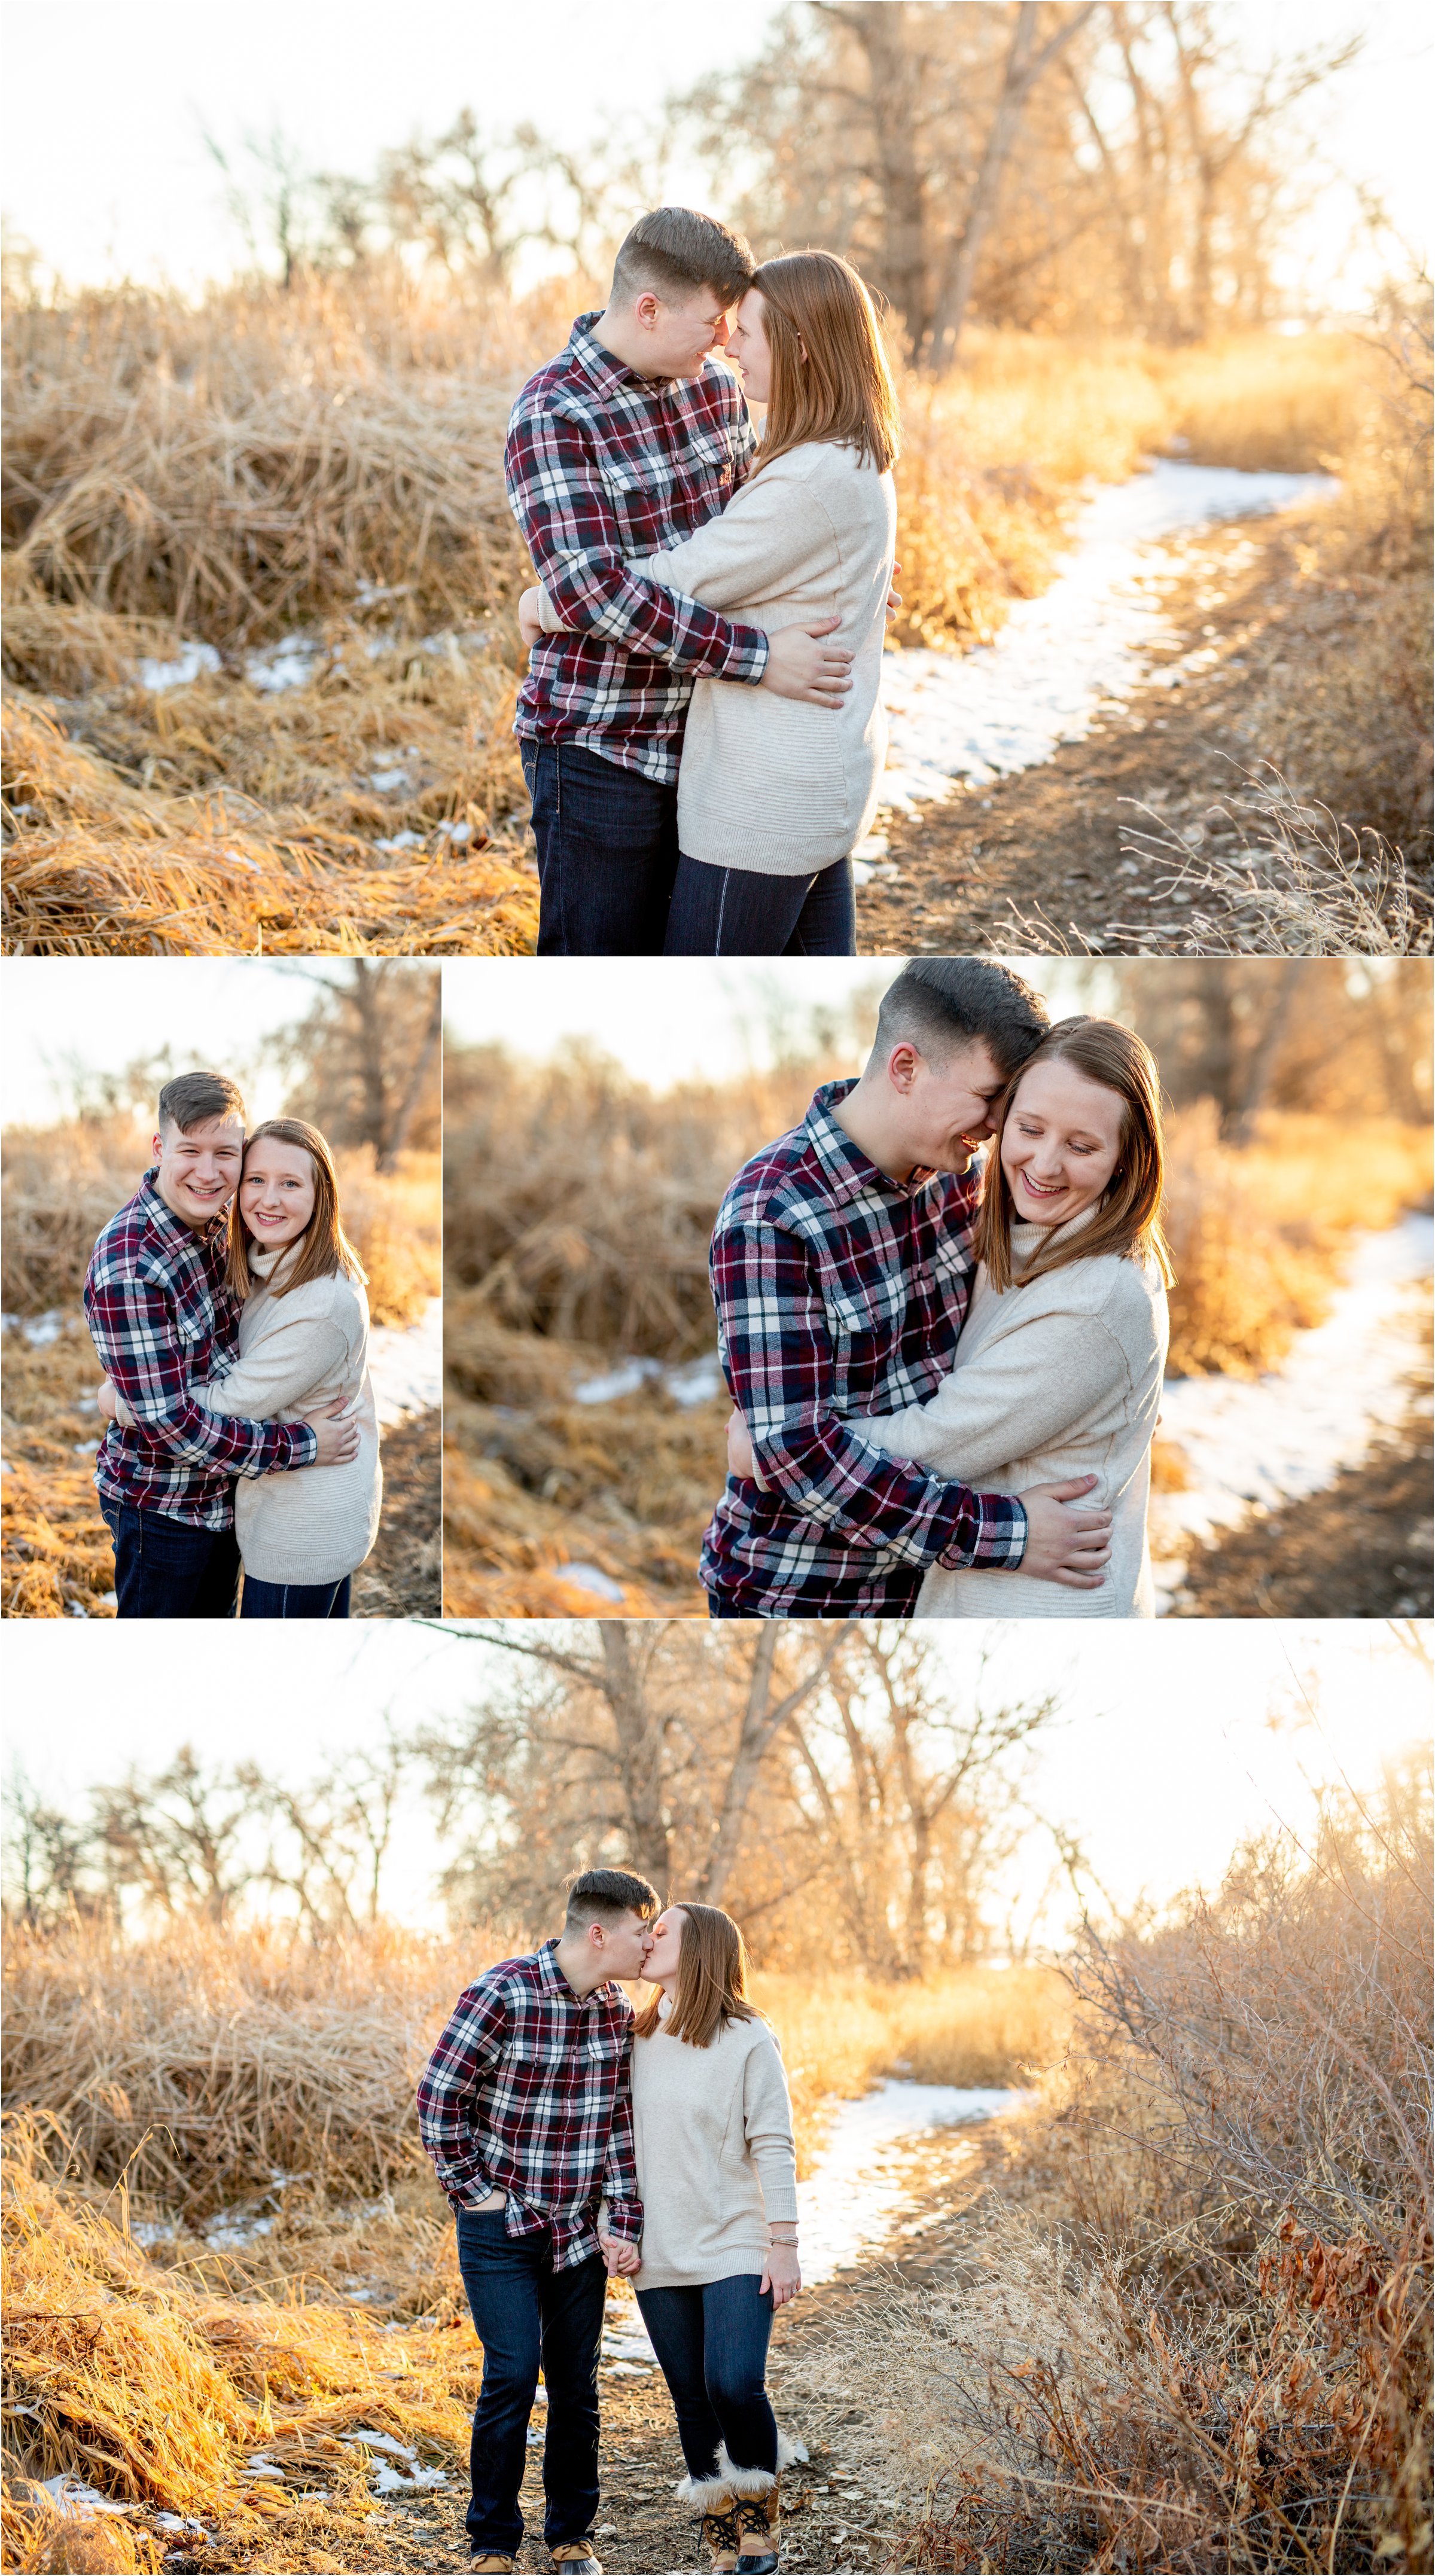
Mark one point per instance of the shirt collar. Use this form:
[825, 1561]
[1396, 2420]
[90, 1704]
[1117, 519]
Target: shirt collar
[551, 1976]
[849, 1173]
[172, 1229]
[609, 374]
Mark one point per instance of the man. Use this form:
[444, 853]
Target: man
[841, 1269]
[162, 1321]
[629, 441]
[526, 2111]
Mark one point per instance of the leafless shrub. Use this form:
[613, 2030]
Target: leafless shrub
[1293, 879]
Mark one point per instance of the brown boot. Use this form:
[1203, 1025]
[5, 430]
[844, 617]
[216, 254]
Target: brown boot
[491, 2565]
[575, 2558]
[759, 2523]
[721, 2537]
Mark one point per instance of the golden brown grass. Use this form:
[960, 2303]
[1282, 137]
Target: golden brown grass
[1189, 2328]
[275, 461]
[61, 1185]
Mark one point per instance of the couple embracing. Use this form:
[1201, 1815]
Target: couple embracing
[227, 1308]
[701, 724]
[942, 1317]
[576, 2142]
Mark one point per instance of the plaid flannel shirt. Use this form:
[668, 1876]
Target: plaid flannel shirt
[162, 1321]
[603, 466]
[840, 1292]
[528, 2092]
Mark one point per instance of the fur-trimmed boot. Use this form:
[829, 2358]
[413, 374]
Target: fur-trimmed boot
[713, 2499]
[758, 2510]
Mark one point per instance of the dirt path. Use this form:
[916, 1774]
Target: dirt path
[1358, 1549]
[1046, 844]
[842, 2514]
[403, 1578]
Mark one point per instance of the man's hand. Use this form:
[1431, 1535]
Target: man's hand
[740, 1458]
[801, 665]
[530, 622]
[894, 597]
[337, 1433]
[1065, 1541]
[105, 1403]
[618, 2254]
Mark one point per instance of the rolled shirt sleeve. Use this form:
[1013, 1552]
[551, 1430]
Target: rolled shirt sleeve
[131, 1323]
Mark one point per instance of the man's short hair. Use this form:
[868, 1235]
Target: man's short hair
[674, 253]
[605, 1895]
[194, 1098]
[941, 1004]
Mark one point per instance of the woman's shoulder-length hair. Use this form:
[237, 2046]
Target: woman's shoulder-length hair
[830, 379]
[325, 1248]
[1127, 1218]
[712, 1981]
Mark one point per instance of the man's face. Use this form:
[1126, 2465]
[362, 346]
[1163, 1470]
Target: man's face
[677, 337]
[199, 1167]
[625, 1945]
[945, 1111]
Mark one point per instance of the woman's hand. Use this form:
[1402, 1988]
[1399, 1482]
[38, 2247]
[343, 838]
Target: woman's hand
[107, 1401]
[740, 1459]
[619, 2255]
[783, 2275]
[530, 619]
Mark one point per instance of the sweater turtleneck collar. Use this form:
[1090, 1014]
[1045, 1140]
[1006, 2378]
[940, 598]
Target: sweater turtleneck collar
[276, 1266]
[1028, 1238]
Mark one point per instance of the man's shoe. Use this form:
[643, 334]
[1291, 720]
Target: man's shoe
[491, 2565]
[575, 2558]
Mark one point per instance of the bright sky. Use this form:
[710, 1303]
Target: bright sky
[103, 1012]
[692, 1016]
[119, 182]
[1173, 1744]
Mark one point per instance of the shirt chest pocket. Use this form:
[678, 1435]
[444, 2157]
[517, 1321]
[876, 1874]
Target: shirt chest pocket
[860, 1322]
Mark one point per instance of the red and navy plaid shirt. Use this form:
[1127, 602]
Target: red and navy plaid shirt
[839, 1293]
[528, 2092]
[163, 1321]
[603, 466]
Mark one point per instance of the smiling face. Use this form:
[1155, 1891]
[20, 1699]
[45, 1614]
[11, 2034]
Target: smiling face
[946, 1109]
[276, 1195]
[665, 1943]
[673, 339]
[198, 1167]
[748, 347]
[1061, 1142]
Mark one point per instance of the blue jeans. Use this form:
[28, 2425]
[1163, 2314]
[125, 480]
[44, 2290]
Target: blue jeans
[294, 1600]
[712, 2345]
[607, 853]
[168, 1569]
[524, 2314]
[739, 912]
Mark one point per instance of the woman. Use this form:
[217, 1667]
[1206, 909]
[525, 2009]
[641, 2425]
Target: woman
[1058, 1368]
[303, 1342]
[717, 2175]
[775, 793]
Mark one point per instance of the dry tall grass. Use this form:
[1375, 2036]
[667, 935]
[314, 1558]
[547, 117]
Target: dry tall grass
[61, 1184]
[1193, 2323]
[330, 460]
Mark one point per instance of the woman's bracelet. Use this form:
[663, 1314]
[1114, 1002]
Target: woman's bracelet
[782, 2240]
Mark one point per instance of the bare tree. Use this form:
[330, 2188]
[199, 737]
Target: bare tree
[175, 1837]
[366, 1056]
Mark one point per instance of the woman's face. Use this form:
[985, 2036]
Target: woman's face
[665, 1947]
[276, 1195]
[1061, 1142]
[747, 346]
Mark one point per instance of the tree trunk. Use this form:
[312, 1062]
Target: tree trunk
[762, 1722]
[364, 994]
[396, 1131]
[640, 1746]
[883, 29]
[1024, 67]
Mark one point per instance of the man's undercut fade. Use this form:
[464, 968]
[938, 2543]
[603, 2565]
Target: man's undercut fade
[674, 253]
[192, 1099]
[940, 1005]
[605, 1896]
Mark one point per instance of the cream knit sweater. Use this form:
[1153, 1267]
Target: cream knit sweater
[770, 783]
[713, 2132]
[1054, 1379]
[303, 1524]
